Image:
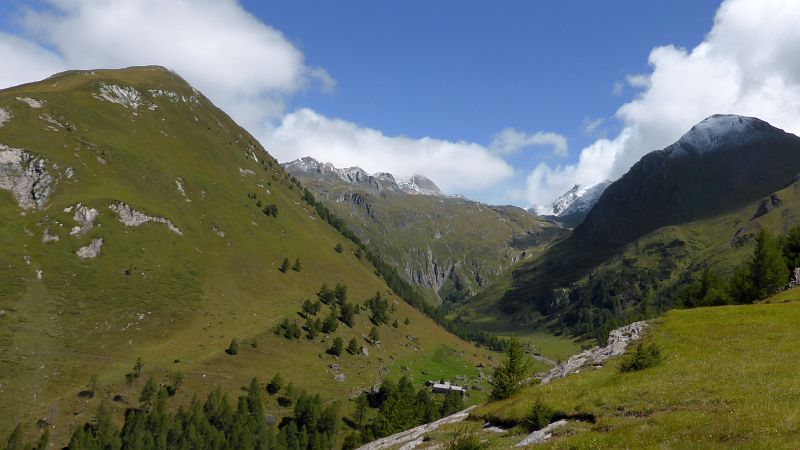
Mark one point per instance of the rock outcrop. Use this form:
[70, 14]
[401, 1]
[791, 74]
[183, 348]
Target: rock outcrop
[411, 438]
[542, 435]
[85, 218]
[5, 116]
[90, 251]
[26, 176]
[132, 218]
[618, 341]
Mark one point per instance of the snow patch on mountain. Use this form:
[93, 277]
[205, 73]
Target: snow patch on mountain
[718, 131]
[419, 185]
[578, 200]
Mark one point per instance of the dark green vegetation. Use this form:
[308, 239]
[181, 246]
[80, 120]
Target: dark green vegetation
[677, 212]
[399, 406]
[213, 424]
[448, 247]
[507, 377]
[175, 299]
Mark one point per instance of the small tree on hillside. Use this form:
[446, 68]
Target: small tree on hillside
[296, 266]
[791, 248]
[233, 348]
[507, 377]
[352, 346]
[337, 347]
[331, 322]
[767, 267]
[374, 337]
[284, 265]
[338, 248]
[275, 384]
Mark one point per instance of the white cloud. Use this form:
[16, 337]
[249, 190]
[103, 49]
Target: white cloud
[748, 64]
[509, 141]
[457, 167]
[25, 61]
[591, 125]
[247, 67]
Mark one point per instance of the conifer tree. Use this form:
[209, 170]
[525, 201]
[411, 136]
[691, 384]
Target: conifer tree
[284, 265]
[352, 346]
[296, 265]
[767, 267]
[374, 337]
[507, 377]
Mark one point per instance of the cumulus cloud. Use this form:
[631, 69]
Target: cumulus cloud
[455, 166]
[247, 68]
[747, 64]
[509, 141]
[244, 65]
[25, 61]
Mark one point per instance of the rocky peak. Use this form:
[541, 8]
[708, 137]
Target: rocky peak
[416, 185]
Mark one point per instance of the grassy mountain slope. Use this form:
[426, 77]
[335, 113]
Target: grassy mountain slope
[450, 247]
[727, 380]
[174, 298]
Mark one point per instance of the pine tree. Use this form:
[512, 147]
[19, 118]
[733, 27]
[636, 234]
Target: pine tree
[507, 377]
[340, 292]
[767, 267]
[284, 265]
[275, 384]
[331, 322]
[374, 337]
[348, 314]
[352, 346]
[233, 348]
[361, 410]
[296, 265]
[337, 347]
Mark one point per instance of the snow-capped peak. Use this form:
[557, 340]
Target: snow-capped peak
[720, 130]
[578, 200]
[419, 185]
[415, 185]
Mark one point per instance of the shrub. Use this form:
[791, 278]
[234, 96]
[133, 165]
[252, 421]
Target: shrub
[539, 416]
[464, 440]
[275, 384]
[643, 357]
[233, 348]
[338, 248]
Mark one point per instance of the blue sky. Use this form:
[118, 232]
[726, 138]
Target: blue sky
[465, 70]
[489, 99]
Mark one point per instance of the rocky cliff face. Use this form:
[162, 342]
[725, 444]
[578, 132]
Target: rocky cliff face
[449, 246]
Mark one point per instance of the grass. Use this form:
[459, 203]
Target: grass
[175, 301]
[728, 379]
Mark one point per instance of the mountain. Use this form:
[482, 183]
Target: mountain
[140, 221]
[573, 206]
[697, 202]
[450, 246]
[311, 168]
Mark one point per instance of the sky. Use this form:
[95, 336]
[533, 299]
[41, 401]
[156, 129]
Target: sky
[504, 102]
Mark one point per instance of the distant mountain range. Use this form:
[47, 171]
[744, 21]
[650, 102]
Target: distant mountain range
[414, 185]
[449, 246]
